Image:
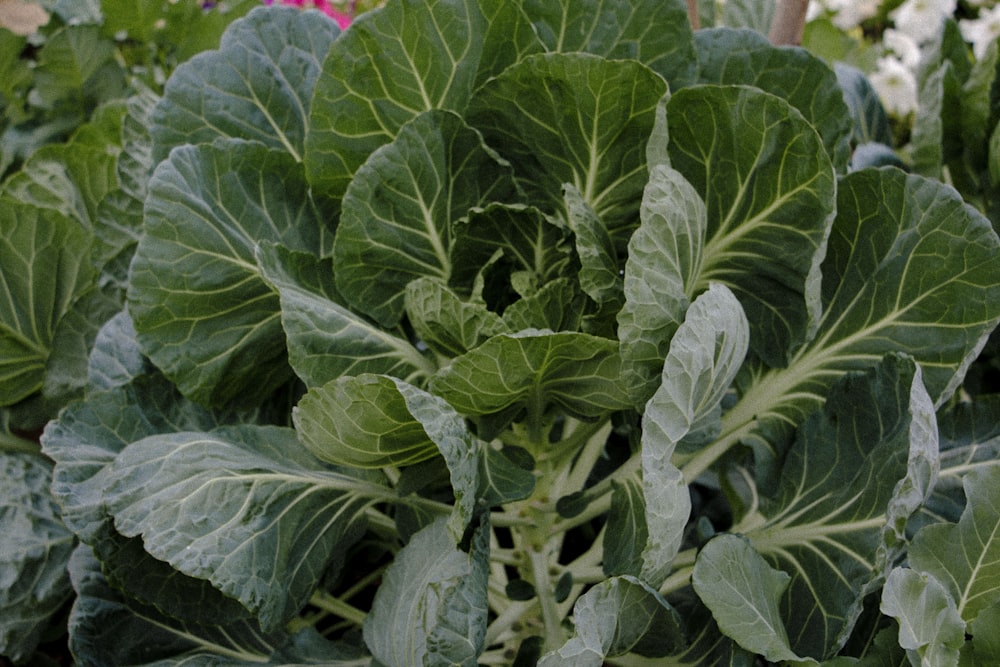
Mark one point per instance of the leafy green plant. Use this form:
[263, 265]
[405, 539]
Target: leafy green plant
[500, 333]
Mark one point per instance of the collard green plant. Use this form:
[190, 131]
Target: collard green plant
[491, 332]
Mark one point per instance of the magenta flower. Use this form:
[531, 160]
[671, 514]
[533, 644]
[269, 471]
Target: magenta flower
[342, 19]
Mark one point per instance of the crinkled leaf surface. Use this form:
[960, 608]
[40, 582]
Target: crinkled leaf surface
[620, 615]
[195, 277]
[35, 549]
[664, 258]
[108, 628]
[431, 608]
[599, 275]
[929, 624]
[326, 340]
[397, 62]
[768, 187]
[744, 593]
[45, 267]
[746, 57]
[257, 86]
[444, 321]
[574, 118]
[857, 471]
[244, 507]
[965, 557]
[532, 371]
[399, 211]
[656, 33]
[115, 359]
[909, 267]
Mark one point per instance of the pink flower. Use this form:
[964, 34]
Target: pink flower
[343, 20]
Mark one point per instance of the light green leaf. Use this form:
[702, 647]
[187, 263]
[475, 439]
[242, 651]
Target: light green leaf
[109, 628]
[76, 69]
[399, 211]
[744, 594]
[657, 33]
[116, 358]
[985, 639]
[266, 506]
[929, 625]
[448, 324]
[626, 534]
[524, 375]
[410, 56]
[599, 272]
[736, 145]
[257, 86]
[618, 616]
[325, 339]
[965, 557]
[746, 57]
[431, 607]
[559, 306]
[33, 555]
[195, 276]
[664, 259]
[831, 525]
[574, 118]
[45, 268]
[705, 354]
[909, 267]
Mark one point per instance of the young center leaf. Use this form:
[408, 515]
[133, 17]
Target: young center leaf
[400, 209]
[217, 505]
[257, 85]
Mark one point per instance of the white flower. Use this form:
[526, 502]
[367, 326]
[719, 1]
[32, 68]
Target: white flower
[903, 47]
[982, 31]
[896, 86]
[845, 14]
[921, 19]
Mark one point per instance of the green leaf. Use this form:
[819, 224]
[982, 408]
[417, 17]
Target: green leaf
[116, 358]
[257, 86]
[736, 145]
[909, 267]
[830, 524]
[746, 57]
[77, 68]
[275, 511]
[936, 135]
[325, 339]
[558, 306]
[963, 557]
[654, 32]
[36, 548]
[754, 14]
[599, 272]
[705, 354]
[618, 616]
[448, 324]
[744, 594]
[871, 122]
[400, 209]
[431, 607]
[195, 276]
[527, 373]
[574, 118]
[44, 258]
[664, 258]
[109, 628]
[929, 624]
[411, 56]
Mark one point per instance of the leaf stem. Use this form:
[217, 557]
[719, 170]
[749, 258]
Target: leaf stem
[11, 443]
[337, 607]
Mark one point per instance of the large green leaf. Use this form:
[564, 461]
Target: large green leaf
[664, 258]
[33, 557]
[45, 268]
[431, 607]
[831, 526]
[909, 267]
[77, 68]
[768, 187]
[654, 32]
[195, 277]
[870, 121]
[257, 86]
[109, 628]
[929, 625]
[964, 556]
[267, 507]
[326, 340]
[618, 616]
[397, 62]
[574, 118]
[733, 57]
[524, 375]
[399, 211]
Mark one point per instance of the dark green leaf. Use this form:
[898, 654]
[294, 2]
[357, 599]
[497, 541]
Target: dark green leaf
[871, 123]
[446, 323]
[77, 68]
